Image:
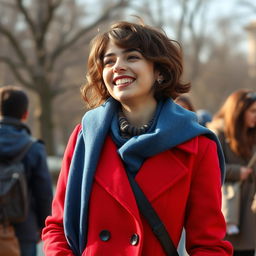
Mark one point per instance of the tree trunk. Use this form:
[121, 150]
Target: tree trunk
[45, 120]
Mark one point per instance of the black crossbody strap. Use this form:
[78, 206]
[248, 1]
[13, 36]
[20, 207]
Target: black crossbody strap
[152, 218]
[20, 125]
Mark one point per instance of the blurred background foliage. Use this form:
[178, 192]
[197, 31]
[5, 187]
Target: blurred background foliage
[44, 49]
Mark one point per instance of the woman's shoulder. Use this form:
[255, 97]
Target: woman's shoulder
[74, 135]
[77, 128]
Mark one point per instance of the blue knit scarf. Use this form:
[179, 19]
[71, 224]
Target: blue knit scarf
[173, 125]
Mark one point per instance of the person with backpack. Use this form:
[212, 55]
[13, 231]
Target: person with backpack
[25, 157]
[139, 167]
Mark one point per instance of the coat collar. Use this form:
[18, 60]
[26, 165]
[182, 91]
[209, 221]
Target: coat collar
[190, 146]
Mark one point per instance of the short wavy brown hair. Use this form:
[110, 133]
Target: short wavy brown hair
[155, 46]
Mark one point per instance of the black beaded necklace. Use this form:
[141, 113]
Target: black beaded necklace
[128, 131]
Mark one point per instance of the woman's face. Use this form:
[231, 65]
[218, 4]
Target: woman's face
[128, 76]
[250, 116]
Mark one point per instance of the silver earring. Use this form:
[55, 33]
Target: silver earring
[160, 80]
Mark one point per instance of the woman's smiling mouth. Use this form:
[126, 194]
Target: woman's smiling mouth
[123, 81]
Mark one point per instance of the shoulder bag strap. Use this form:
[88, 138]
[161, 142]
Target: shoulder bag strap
[22, 153]
[152, 218]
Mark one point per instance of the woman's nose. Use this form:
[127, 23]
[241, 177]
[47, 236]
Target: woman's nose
[119, 66]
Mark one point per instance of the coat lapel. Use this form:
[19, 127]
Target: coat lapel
[111, 175]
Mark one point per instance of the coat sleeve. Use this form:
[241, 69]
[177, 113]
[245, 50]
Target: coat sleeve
[53, 235]
[232, 170]
[205, 225]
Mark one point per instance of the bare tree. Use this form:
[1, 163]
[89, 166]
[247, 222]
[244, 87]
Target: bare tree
[182, 19]
[44, 33]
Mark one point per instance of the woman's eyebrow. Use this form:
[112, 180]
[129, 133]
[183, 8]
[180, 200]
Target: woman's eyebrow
[124, 51]
[131, 50]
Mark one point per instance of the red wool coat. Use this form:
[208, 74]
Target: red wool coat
[183, 185]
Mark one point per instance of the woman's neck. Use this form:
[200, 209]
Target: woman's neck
[139, 115]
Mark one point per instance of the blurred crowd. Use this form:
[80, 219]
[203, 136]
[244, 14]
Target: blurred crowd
[235, 125]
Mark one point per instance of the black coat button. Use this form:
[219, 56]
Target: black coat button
[134, 239]
[104, 235]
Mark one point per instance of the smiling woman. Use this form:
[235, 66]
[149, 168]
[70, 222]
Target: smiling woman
[136, 142]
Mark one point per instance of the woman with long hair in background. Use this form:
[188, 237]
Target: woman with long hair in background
[235, 125]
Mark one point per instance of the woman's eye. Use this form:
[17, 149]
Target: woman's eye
[108, 62]
[133, 57]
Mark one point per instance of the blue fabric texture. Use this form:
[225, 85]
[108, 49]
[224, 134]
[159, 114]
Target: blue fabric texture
[172, 126]
[12, 140]
[28, 249]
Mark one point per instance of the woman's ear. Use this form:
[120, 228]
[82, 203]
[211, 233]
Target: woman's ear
[160, 78]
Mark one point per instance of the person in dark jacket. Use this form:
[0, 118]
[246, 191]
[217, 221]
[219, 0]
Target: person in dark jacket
[14, 135]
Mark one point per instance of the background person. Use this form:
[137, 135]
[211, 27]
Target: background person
[235, 124]
[185, 102]
[14, 135]
[203, 116]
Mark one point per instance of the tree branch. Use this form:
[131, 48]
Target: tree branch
[51, 8]
[181, 22]
[15, 45]
[196, 9]
[28, 19]
[64, 46]
[15, 71]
